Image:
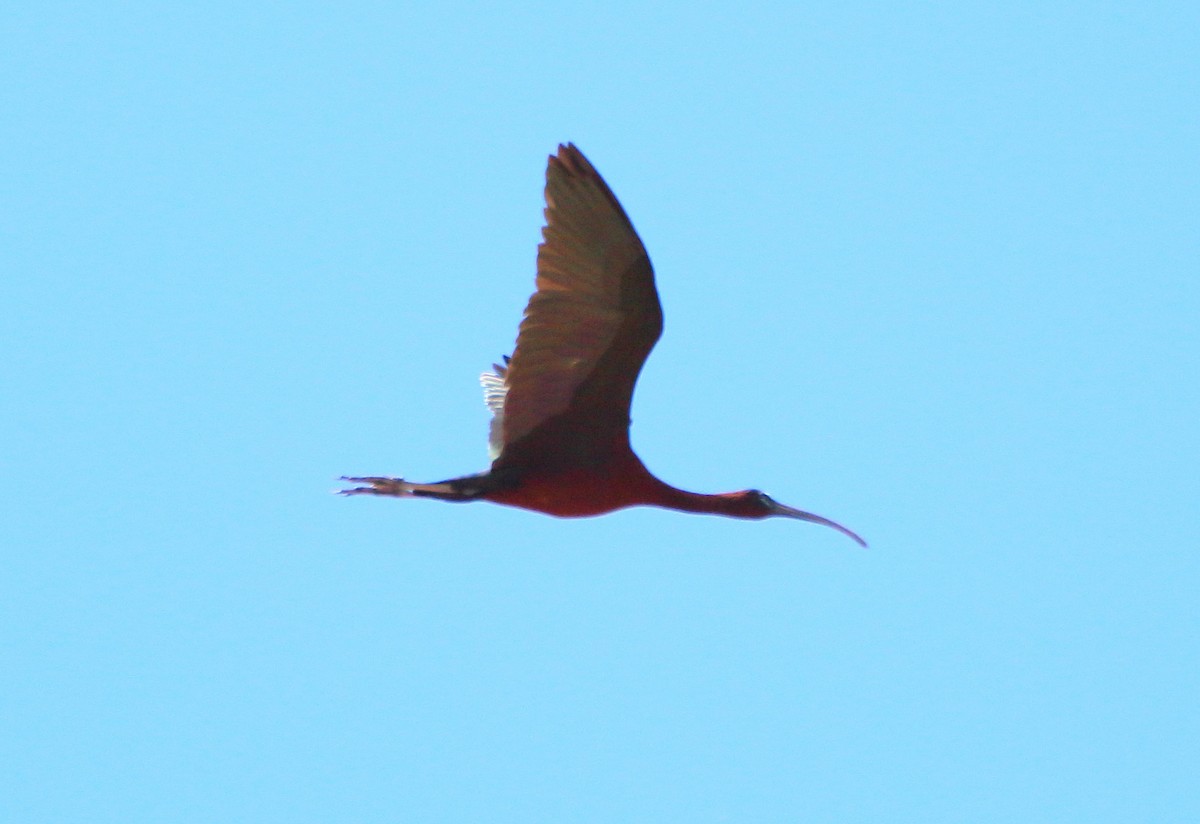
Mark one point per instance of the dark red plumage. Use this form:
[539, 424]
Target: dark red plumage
[560, 438]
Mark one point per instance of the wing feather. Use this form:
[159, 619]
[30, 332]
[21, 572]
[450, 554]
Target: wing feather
[592, 322]
[495, 390]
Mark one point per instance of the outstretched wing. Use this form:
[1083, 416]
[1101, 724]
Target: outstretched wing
[591, 323]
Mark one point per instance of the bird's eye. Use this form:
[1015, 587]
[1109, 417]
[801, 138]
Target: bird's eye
[763, 497]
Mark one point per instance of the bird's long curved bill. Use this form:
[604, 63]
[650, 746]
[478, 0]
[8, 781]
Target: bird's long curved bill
[800, 514]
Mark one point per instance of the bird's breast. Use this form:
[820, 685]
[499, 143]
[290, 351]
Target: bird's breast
[576, 493]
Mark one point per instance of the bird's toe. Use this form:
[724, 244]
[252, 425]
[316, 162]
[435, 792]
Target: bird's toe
[375, 486]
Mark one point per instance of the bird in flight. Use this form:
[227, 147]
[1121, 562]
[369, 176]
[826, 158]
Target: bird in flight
[560, 429]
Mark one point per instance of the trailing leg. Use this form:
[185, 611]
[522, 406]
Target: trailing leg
[457, 489]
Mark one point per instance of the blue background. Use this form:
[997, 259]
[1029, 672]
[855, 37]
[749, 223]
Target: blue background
[928, 269]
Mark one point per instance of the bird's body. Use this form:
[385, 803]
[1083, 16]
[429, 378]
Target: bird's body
[560, 432]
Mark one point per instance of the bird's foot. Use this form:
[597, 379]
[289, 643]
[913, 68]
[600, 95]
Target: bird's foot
[377, 486]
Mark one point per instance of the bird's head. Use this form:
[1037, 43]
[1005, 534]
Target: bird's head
[753, 503]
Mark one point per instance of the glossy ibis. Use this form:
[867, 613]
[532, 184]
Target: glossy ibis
[560, 427]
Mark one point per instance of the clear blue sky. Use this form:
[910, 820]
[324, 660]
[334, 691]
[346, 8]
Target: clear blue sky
[928, 269]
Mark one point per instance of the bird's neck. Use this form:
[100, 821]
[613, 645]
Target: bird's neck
[733, 504]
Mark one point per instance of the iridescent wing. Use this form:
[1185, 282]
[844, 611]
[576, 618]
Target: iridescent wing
[589, 326]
